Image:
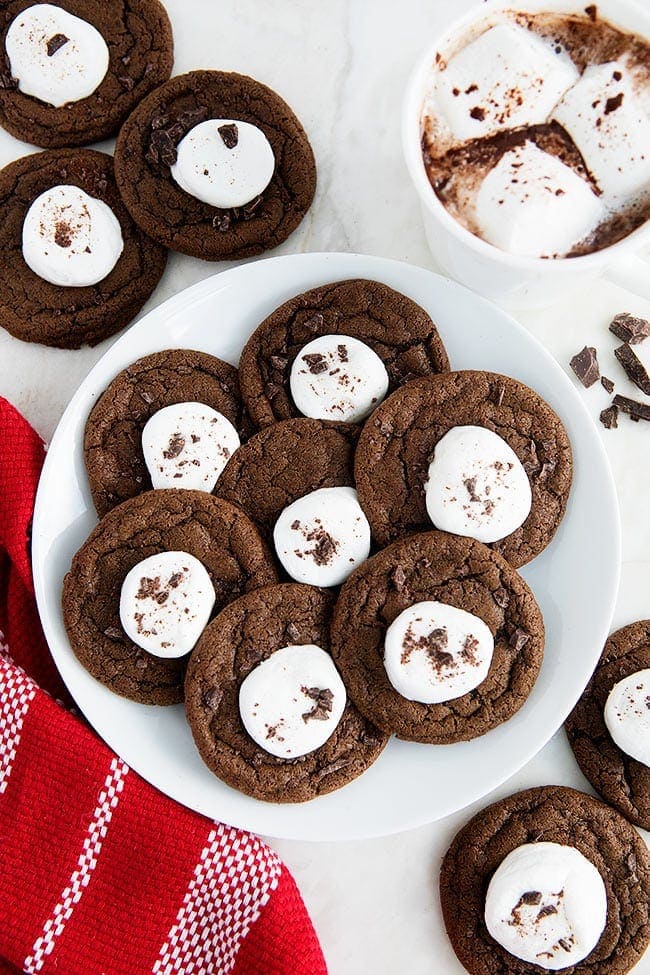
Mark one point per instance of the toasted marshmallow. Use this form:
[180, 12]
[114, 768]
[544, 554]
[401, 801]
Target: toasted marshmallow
[506, 78]
[165, 603]
[532, 205]
[627, 715]
[291, 703]
[56, 57]
[71, 239]
[607, 120]
[322, 537]
[187, 445]
[546, 904]
[434, 652]
[477, 486]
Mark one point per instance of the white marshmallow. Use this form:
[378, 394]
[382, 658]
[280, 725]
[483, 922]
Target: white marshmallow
[434, 652]
[291, 703]
[546, 904]
[336, 377]
[209, 170]
[165, 603]
[610, 126]
[323, 536]
[72, 71]
[70, 238]
[187, 445]
[477, 485]
[627, 715]
[506, 78]
[531, 204]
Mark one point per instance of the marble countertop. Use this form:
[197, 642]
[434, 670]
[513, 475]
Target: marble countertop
[343, 66]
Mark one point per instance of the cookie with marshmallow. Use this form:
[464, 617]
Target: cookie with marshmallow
[548, 879]
[144, 585]
[173, 419]
[73, 72]
[71, 257]
[334, 353]
[473, 453]
[437, 638]
[215, 165]
[609, 728]
[268, 708]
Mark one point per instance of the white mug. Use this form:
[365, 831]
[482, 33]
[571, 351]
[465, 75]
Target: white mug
[507, 278]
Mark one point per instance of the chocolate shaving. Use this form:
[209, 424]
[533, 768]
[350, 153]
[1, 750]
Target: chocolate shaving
[323, 699]
[63, 234]
[634, 409]
[607, 384]
[470, 487]
[55, 43]
[433, 645]
[585, 366]
[325, 548]
[316, 363]
[609, 417]
[229, 135]
[175, 446]
[629, 328]
[343, 352]
[634, 368]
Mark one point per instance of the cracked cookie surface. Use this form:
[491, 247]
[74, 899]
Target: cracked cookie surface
[219, 535]
[242, 636]
[550, 814]
[141, 53]
[34, 310]
[182, 222]
[398, 442]
[396, 328]
[463, 573]
[619, 779]
[113, 435]
[284, 462]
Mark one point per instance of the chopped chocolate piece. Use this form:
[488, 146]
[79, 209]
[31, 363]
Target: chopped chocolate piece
[63, 234]
[55, 43]
[630, 328]
[546, 910]
[531, 898]
[126, 81]
[634, 368]
[478, 113]
[315, 323]
[113, 633]
[592, 12]
[613, 103]
[229, 135]
[175, 446]
[222, 221]
[609, 417]
[292, 631]
[607, 384]
[585, 366]
[398, 577]
[519, 639]
[634, 409]
[316, 363]
[501, 597]
[212, 698]
[323, 700]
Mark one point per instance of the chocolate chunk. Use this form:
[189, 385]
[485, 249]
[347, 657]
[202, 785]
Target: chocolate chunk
[634, 409]
[546, 911]
[316, 363]
[398, 577]
[519, 639]
[613, 103]
[634, 368]
[55, 43]
[607, 384]
[212, 698]
[323, 700]
[630, 328]
[229, 135]
[315, 323]
[222, 221]
[592, 12]
[501, 597]
[531, 898]
[175, 446]
[292, 631]
[478, 113]
[609, 417]
[325, 548]
[113, 633]
[585, 366]
[126, 81]
[470, 487]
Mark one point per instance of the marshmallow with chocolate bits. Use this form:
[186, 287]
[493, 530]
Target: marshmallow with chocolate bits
[627, 715]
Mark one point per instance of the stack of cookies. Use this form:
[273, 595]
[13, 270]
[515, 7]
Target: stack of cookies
[319, 549]
[211, 163]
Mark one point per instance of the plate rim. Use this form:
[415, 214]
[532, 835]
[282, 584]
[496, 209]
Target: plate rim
[183, 301]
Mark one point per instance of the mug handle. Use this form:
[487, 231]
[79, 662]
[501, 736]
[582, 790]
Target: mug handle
[632, 273]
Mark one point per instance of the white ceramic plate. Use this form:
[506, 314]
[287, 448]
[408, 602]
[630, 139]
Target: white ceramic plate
[575, 580]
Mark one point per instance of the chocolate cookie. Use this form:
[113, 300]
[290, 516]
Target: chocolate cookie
[550, 814]
[400, 440]
[620, 779]
[148, 146]
[216, 533]
[243, 635]
[284, 462]
[36, 310]
[135, 41]
[461, 573]
[113, 437]
[394, 327]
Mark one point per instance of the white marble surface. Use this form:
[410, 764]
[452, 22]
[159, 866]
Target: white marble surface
[343, 66]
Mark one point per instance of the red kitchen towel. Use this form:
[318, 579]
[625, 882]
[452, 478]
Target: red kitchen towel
[100, 874]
